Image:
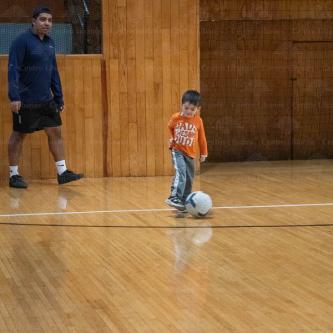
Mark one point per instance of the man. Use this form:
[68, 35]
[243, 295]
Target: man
[36, 96]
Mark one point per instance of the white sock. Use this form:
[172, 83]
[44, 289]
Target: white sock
[61, 167]
[13, 170]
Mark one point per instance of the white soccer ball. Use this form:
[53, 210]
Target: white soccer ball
[198, 204]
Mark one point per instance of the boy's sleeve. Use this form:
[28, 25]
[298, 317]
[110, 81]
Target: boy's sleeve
[56, 85]
[171, 126]
[15, 62]
[202, 139]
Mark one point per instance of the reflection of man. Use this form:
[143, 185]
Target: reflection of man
[36, 96]
[59, 200]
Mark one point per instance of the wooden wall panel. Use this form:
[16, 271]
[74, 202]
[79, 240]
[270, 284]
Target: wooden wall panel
[247, 73]
[159, 85]
[152, 55]
[244, 82]
[312, 100]
[118, 104]
[265, 10]
[82, 122]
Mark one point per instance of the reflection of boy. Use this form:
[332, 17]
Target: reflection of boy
[187, 130]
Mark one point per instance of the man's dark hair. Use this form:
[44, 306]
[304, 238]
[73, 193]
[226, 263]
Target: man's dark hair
[40, 10]
[192, 96]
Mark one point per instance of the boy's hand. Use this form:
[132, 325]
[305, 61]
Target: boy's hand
[203, 158]
[171, 143]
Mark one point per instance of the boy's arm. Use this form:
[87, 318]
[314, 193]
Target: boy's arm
[171, 127]
[202, 142]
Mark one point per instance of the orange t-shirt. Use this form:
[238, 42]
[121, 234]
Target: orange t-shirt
[186, 133]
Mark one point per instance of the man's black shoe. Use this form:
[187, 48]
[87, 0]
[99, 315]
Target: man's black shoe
[17, 181]
[69, 176]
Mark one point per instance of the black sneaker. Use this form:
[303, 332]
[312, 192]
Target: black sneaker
[17, 181]
[69, 176]
[176, 203]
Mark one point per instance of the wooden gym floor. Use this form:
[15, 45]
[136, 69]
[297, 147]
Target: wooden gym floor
[106, 255]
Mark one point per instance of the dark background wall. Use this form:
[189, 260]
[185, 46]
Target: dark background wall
[85, 39]
[20, 10]
[266, 76]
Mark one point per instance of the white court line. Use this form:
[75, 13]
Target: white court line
[160, 210]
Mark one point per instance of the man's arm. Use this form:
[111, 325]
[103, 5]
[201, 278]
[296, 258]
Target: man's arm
[56, 85]
[15, 62]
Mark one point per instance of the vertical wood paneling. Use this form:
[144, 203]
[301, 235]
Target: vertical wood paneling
[313, 100]
[193, 46]
[265, 10]
[123, 82]
[88, 124]
[139, 166]
[82, 122]
[150, 50]
[166, 63]
[149, 45]
[5, 118]
[183, 36]
[151, 114]
[175, 55]
[98, 120]
[148, 95]
[248, 84]
[114, 119]
[158, 87]
[77, 122]
[245, 84]
[131, 61]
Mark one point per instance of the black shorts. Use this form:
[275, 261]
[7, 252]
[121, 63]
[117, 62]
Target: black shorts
[35, 117]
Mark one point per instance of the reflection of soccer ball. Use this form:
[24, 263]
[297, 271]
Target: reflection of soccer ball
[198, 204]
[202, 235]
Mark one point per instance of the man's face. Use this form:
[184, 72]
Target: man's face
[189, 110]
[43, 23]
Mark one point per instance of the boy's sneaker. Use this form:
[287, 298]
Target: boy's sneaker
[176, 203]
[17, 181]
[69, 176]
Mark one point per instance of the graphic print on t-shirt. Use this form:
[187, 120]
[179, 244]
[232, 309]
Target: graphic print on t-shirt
[185, 134]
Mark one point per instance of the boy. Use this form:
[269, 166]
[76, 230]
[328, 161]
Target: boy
[187, 131]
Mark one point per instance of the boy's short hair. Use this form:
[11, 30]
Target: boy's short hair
[40, 10]
[192, 96]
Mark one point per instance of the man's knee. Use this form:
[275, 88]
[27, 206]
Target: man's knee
[16, 137]
[53, 133]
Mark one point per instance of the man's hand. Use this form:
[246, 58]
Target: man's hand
[62, 108]
[15, 106]
[203, 158]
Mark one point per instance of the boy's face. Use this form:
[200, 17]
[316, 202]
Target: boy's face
[189, 110]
